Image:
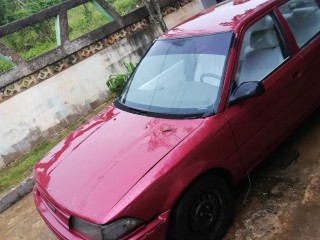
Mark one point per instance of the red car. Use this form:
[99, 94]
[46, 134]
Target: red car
[210, 100]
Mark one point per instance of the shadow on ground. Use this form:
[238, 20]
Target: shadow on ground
[284, 199]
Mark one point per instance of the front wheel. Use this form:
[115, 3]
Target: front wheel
[204, 211]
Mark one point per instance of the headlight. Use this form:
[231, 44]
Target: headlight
[120, 228]
[111, 231]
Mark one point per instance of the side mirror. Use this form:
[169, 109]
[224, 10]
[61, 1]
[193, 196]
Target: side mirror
[246, 90]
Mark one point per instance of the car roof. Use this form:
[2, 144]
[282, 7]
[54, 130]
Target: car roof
[224, 17]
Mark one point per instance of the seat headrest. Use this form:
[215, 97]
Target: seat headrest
[264, 39]
[304, 17]
[303, 12]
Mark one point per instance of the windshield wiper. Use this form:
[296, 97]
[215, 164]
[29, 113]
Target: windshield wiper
[137, 111]
[130, 109]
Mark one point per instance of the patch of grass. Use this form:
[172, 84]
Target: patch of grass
[32, 41]
[19, 170]
[4, 66]
[22, 168]
[38, 49]
[83, 19]
[125, 6]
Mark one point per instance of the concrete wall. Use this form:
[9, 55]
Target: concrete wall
[54, 104]
[185, 12]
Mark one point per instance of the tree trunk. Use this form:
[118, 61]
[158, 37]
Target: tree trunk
[154, 10]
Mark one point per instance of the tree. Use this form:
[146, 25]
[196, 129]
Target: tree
[154, 10]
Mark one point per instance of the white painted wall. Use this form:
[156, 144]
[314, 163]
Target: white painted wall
[48, 107]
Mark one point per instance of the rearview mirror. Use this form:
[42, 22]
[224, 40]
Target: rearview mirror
[246, 90]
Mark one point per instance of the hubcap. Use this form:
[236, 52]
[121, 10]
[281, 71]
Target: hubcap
[205, 213]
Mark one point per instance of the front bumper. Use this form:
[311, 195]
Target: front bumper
[58, 223]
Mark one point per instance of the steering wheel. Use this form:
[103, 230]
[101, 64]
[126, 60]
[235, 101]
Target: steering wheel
[209, 75]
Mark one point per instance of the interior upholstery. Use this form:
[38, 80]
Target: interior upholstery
[264, 39]
[304, 23]
[263, 59]
[264, 23]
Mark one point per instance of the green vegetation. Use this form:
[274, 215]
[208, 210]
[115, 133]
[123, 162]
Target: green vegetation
[116, 82]
[83, 19]
[20, 169]
[4, 66]
[125, 6]
[32, 41]
[11, 10]
[37, 39]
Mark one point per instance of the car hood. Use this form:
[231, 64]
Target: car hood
[91, 170]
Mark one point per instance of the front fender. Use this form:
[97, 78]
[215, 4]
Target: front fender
[210, 146]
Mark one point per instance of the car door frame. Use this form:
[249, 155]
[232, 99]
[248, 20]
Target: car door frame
[232, 64]
[305, 50]
[289, 42]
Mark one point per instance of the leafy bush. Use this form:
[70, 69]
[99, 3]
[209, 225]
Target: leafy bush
[116, 82]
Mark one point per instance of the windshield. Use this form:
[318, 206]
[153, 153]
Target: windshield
[179, 76]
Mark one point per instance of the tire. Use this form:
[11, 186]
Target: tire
[204, 212]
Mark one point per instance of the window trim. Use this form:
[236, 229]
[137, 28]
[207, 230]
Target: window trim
[215, 107]
[286, 25]
[272, 12]
[284, 46]
[284, 41]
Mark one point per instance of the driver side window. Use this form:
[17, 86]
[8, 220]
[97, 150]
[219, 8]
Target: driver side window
[261, 51]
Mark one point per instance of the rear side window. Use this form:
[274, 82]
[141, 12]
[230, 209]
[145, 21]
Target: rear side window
[303, 18]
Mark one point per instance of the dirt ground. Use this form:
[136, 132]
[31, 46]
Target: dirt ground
[283, 201]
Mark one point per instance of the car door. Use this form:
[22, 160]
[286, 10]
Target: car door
[303, 20]
[259, 123]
